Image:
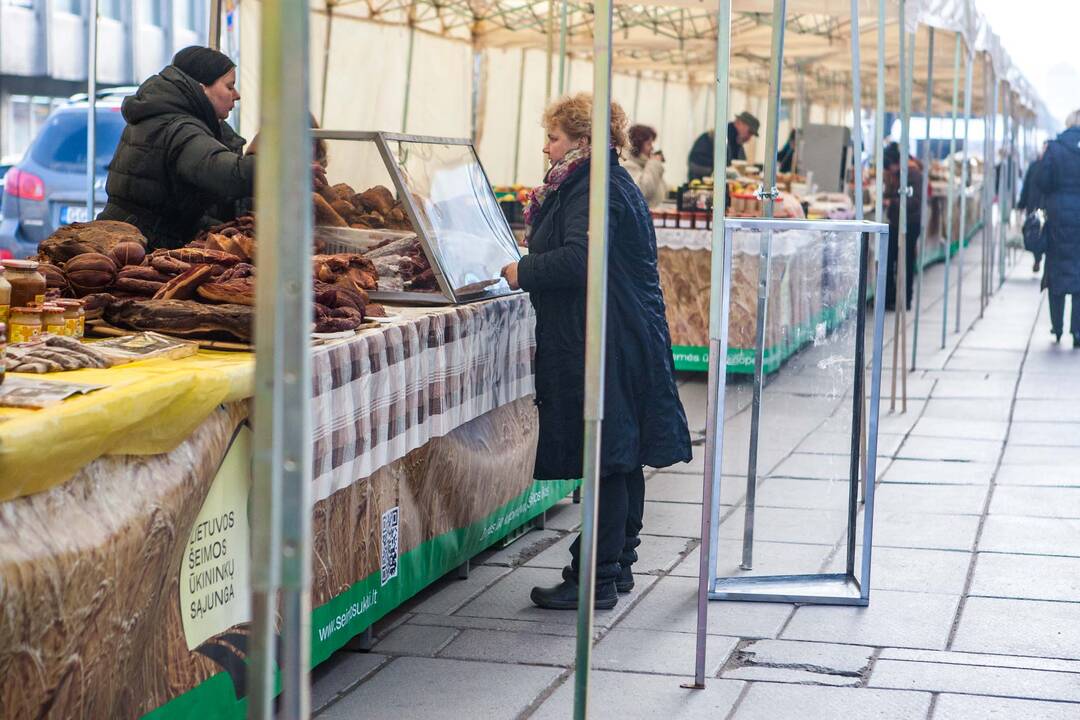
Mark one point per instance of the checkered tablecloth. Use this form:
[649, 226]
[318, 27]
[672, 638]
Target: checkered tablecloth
[389, 391]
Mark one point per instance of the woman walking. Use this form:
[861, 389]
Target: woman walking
[1059, 179]
[644, 422]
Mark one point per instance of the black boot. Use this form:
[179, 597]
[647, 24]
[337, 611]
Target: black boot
[625, 583]
[1076, 340]
[1057, 335]
[564, 596]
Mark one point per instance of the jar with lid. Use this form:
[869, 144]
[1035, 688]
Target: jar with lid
[27, 284]
[74, 317]
[26, 323]
[5, 298]
[52, 320]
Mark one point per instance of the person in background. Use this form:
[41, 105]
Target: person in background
[786, 157]
[645, 165]
[1031, 198]
[1058, 177]
[644, 421]
[914, 222]
[739, 130]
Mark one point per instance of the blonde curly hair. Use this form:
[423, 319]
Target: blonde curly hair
[573, 115]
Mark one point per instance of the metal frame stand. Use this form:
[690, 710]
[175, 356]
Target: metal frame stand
[828, 588]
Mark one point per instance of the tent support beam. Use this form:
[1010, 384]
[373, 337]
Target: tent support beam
[91, 101]
[879, 121]
[899, 364]
[408, 78]
[964, 174]
[857, 165]
[951, 200]
[595, 338]
[768, 194]
[281, 468]
[718, 310]
[925, 217]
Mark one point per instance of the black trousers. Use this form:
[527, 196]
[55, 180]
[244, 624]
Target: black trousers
[1057, 313]
[912, 249]
[620, 511]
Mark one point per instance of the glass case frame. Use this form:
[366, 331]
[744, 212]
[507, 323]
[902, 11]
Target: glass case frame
[389, 146]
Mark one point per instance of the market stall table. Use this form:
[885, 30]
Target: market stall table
[123, 527]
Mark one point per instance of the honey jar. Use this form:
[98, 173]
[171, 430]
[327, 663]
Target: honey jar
[53, 320]
[25, 324]
[27, 284]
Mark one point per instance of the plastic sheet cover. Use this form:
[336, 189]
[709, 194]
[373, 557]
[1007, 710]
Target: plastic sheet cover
[806, 428]
[146, 408]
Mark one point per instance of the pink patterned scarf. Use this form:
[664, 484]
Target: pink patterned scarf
[555, 177]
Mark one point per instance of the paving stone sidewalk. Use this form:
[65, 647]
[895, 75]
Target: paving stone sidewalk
[975, 605]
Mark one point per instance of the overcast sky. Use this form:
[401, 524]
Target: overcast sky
[1041, 36]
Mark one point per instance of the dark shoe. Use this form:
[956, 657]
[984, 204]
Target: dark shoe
[625, 582]
[564, 596]
[1036, 267]
[1057, 335]
[1076, 341]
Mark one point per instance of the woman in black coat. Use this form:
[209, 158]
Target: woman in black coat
[1059, 180]
[644, 422]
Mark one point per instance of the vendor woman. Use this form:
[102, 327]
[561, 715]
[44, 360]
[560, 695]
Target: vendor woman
[178, 166]
[644, 421]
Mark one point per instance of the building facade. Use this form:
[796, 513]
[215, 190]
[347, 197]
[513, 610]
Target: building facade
[43, 53]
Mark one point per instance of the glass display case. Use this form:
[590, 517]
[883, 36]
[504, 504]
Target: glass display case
[443, 190]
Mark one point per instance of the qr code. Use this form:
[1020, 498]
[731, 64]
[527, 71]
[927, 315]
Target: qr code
[388, 561]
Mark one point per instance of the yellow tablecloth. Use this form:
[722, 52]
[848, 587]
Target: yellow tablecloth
[148, 407]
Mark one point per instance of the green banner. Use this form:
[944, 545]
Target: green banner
[369, 600]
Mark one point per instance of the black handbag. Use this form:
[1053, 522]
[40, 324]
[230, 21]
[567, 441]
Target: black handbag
[1035, 233]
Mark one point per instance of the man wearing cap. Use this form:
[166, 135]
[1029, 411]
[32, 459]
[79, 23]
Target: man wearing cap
[177, 161]
[739, 132]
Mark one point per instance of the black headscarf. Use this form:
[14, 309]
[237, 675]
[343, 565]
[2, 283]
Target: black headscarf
[203, 64]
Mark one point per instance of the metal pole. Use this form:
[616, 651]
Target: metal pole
[992, 153]
[963, 188]
[768, 195]
[595, 338]
[563, 25]
[879, 126]
[719, 306]
[984, 256]
[907, 66]
[925, 218]
[1005, 194]
[637, 94]
[91, 100]
[520, 109]
[951, 200]
[477, 94]
[213, 32]
[326, 62]
[408, 78]
[281, 495]
[859, 426]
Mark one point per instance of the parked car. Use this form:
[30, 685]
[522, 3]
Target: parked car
[47, 188]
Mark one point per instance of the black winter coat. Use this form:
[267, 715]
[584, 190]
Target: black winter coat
[644, 421]
[700, 161]
[176, 162]
[1059, 180]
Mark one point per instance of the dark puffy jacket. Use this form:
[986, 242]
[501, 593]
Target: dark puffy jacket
[176, 162]
[644, 421]
[1031, 198]
[1059, 180]
[914, 201]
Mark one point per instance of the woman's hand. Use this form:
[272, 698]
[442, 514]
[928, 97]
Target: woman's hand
[510, 272]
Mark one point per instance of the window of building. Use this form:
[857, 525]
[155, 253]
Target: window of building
[72, 7]
[26, 116]
[151, 12]
[18, 3]
[186, 14]
[109, 9]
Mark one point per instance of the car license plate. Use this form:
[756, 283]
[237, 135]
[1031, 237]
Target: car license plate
[76, 213]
